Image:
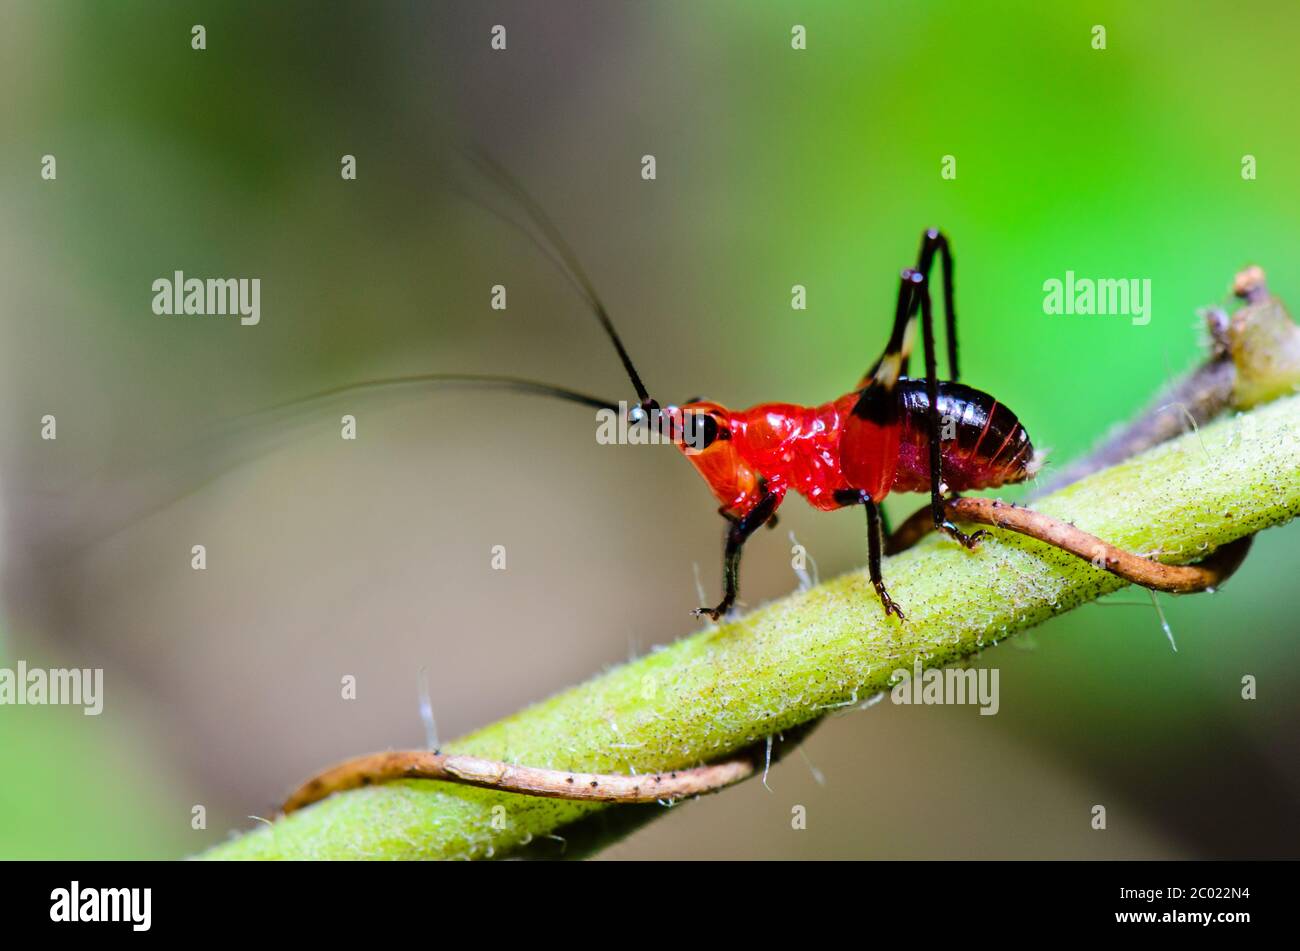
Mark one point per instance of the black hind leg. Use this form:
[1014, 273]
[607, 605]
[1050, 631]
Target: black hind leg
[941, 521]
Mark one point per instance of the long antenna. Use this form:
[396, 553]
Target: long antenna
[483, 380]
[494, 172]
[179, 464]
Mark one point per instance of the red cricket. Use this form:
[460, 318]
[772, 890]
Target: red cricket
[890, 434]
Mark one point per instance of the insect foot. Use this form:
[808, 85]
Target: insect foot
[970, 541]
[887, 602]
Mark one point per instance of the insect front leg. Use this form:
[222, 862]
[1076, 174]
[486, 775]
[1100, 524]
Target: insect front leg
[738, 531]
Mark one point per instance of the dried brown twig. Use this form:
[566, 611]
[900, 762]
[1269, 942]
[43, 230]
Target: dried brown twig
[377, 768]
[1176, 579]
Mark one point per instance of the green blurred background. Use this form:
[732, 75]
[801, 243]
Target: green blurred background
[775, 167]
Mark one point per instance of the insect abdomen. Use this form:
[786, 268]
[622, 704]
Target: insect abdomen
[982, 443]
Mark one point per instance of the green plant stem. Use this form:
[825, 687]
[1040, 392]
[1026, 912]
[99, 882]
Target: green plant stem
[727, 687]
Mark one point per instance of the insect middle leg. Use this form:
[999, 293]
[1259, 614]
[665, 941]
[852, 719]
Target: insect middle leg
[875, 544]
[738, 531]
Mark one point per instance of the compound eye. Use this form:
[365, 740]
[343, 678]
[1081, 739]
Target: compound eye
[701, 430]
